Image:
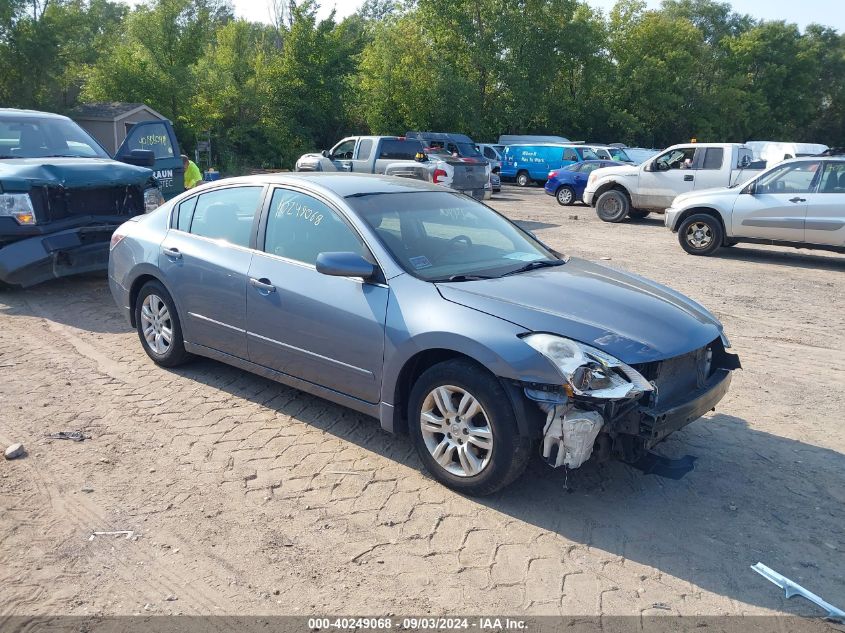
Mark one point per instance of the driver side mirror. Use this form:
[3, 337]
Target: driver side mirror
[325, 153]
[139, 157]
[340, 264]
[750, 188]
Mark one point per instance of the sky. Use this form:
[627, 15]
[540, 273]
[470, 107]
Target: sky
[827, 12]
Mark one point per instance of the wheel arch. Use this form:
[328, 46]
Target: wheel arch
[682, 217]
[528, 417]
[135, 289]
[608, 186]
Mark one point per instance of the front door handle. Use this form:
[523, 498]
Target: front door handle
[171, 252]
[689, 178]
[796, 199]
[262, 284]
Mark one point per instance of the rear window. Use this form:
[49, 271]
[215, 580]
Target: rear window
[395, 149]
[365, 147]
[713, 157]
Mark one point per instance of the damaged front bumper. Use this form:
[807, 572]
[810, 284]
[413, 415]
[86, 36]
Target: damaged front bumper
[35, 259]
[574, 427]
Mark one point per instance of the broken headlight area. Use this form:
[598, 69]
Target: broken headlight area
[588, 371]
[621, 410]
[152, 199]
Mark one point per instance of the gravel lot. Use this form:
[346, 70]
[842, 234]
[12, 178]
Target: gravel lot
[246, 497]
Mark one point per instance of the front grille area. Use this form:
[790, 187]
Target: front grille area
[57, 203]
[680, 376]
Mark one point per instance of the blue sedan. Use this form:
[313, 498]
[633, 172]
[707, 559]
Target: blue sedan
[424, 309]
[568, 183]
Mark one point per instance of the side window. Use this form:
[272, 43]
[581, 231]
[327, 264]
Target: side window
[570, 154]
[300, 227]
[713, 158]
[677, 158]
[833, 180]
[365, 148]
[791, 178]
[184, 214]
[588, 167]
[344, 150]
[226, 214]
[151, 137]
[489, 153]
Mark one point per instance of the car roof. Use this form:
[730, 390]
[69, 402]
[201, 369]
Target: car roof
[340, 184]
[29, 114]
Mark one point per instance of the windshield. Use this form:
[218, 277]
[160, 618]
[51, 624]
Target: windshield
[617, 153]
[31, 137]
[439, 235]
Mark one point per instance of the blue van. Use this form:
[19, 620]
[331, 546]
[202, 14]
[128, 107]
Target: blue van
[526, 163]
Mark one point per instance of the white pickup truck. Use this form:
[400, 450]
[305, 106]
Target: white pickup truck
[636, 191]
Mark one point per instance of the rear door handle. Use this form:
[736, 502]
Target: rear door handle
[171, 252]
[797, 199]
[689, 178]
[262, 284]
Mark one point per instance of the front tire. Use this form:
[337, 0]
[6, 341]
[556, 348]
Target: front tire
[700, 234]
[565, 196]
[523, 179]
[464, 429]
[158, 326]
[613, 206]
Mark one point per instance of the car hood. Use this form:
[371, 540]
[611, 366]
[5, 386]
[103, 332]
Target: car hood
[627, 316]
[21, 174]
[622, 170]
[727, 192]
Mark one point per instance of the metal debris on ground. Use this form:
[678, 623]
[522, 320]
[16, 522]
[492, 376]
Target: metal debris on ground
[791, 588]
[14, 451]
[76, 436]
[654, 464]
[128, 534]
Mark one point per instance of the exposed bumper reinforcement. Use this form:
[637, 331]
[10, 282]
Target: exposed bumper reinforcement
[658, 423]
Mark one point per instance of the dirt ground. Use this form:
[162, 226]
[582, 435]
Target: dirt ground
[247, 497]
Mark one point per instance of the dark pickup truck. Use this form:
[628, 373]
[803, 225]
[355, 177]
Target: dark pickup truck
[62, 196]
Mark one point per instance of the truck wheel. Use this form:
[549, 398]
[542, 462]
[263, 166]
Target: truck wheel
[464, 429]
[638, 214]
[613, 206]
[523, 179]
[700, 234]
[565, 195]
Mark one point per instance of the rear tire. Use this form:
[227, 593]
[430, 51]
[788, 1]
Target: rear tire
[700, 234]
[613, 206]
[523, 179]
[565, 196]
[638, 214]
[464, 428]
[158, 326]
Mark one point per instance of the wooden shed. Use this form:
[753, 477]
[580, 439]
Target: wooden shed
[110, 122]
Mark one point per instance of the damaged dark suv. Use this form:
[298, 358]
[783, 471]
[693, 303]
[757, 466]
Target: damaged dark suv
[62, 196]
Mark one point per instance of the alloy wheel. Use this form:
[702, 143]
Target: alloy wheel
[456, 431]
[156, 324]
[564, 195]
[699, 235]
